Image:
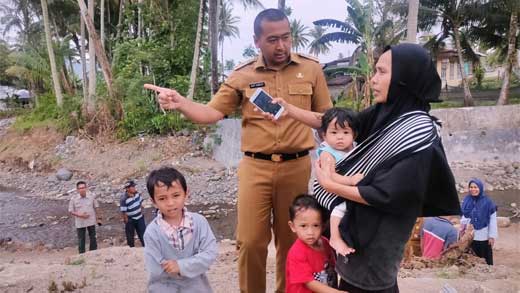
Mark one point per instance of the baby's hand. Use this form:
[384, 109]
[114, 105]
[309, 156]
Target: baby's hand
[356, 178]
[171, 267]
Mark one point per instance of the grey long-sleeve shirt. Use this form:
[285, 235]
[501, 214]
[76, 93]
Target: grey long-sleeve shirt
[193, 261]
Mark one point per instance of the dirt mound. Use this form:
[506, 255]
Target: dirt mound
[30, 150]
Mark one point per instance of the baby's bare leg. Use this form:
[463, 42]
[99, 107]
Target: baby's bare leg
[335, 238]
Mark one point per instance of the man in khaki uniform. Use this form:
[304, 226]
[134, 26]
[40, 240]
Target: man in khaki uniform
[276, 166]
[84, 207]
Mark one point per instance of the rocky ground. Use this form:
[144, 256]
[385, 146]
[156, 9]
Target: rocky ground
[30, 161]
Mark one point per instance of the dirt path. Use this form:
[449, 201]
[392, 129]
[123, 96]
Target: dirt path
[111, 269]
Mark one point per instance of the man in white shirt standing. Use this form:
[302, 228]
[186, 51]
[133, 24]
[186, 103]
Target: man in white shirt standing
[84, 207]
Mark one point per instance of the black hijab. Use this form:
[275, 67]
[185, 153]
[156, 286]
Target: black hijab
[414, 84]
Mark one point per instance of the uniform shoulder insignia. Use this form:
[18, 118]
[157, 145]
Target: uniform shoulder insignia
[243, 64]
[310, 57]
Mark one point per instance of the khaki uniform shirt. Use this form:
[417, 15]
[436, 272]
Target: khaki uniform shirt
[301, 83]
[86, 204]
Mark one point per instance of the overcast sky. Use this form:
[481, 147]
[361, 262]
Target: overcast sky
[306, 11]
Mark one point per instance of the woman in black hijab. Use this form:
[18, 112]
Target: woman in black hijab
[405, 167]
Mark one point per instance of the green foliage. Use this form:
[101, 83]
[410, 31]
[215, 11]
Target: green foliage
[4, 63]
[478, 72]
[47, 113]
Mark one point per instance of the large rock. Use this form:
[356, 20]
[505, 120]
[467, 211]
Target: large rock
[64, 174]
[503, 222]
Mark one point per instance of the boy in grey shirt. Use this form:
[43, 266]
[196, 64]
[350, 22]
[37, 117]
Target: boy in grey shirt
[180, 245]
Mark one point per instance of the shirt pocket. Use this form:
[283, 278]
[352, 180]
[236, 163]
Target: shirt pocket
[300, 95]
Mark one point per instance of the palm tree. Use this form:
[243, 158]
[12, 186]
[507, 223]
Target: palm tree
[20, 15]
[496, 28]
[213, 40]
[281, 5]
[249, 52]
[317, 47]
[453, 17]
[411, 27]
[251, 4]
[512, 47]
[52, 61]
[299, 34]
[227, 27]
[196, 51]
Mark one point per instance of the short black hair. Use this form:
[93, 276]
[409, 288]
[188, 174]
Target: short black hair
[343, 116]
[304, 202]
[271, 14]
[166, 175]
[80, 183]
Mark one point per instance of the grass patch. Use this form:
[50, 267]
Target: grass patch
[77, 262]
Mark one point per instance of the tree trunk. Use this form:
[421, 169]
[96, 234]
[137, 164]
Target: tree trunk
[468, 99]
[103, 60]
[120, 19]
[213, 37]
[66, 80]
[411, 27]
[510, 59]
[139, 18]
[91, 104]
[281, 5]
[102, 21]
[196, 52]
[83, 54]
[50, 50]
[222, 59]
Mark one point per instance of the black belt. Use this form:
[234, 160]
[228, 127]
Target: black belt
[277, 157]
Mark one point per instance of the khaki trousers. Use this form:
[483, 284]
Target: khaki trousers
[266, 188]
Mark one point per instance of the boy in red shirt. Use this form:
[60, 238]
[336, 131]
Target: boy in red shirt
[311, 260]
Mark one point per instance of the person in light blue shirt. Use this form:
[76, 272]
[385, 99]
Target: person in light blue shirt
[481, 212]
[338, 130]
[180, 246]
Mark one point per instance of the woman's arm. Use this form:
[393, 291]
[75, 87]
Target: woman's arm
[326, 179]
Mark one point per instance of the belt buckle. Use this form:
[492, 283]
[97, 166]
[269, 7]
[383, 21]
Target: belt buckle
[276, 157]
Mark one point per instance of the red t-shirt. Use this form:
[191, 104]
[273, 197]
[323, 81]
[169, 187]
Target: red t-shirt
[305, 264]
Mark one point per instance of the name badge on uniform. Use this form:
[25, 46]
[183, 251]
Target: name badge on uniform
[256, 84]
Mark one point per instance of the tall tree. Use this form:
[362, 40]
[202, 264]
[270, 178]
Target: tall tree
[497, 29]
[411, 27]
[227, 28]
[249, 52]
[317, 47]
[18, 15]
[281, 5]
[90, 103]
[299, 34]
[196, 51]
[512, 48]
[100, 52]
[213, 39]
[453, 17]
[52, 60]
[83, 56]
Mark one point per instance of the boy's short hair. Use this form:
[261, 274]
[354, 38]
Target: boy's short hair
[80, 183]
[270, 14]
[304, 202]
[342, 115]
[166, 175]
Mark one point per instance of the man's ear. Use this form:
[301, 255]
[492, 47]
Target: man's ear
[291, 225]
[256, 39]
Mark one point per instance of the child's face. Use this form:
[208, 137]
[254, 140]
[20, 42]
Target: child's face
[307, 226]
[339, 138]
[170, 200]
